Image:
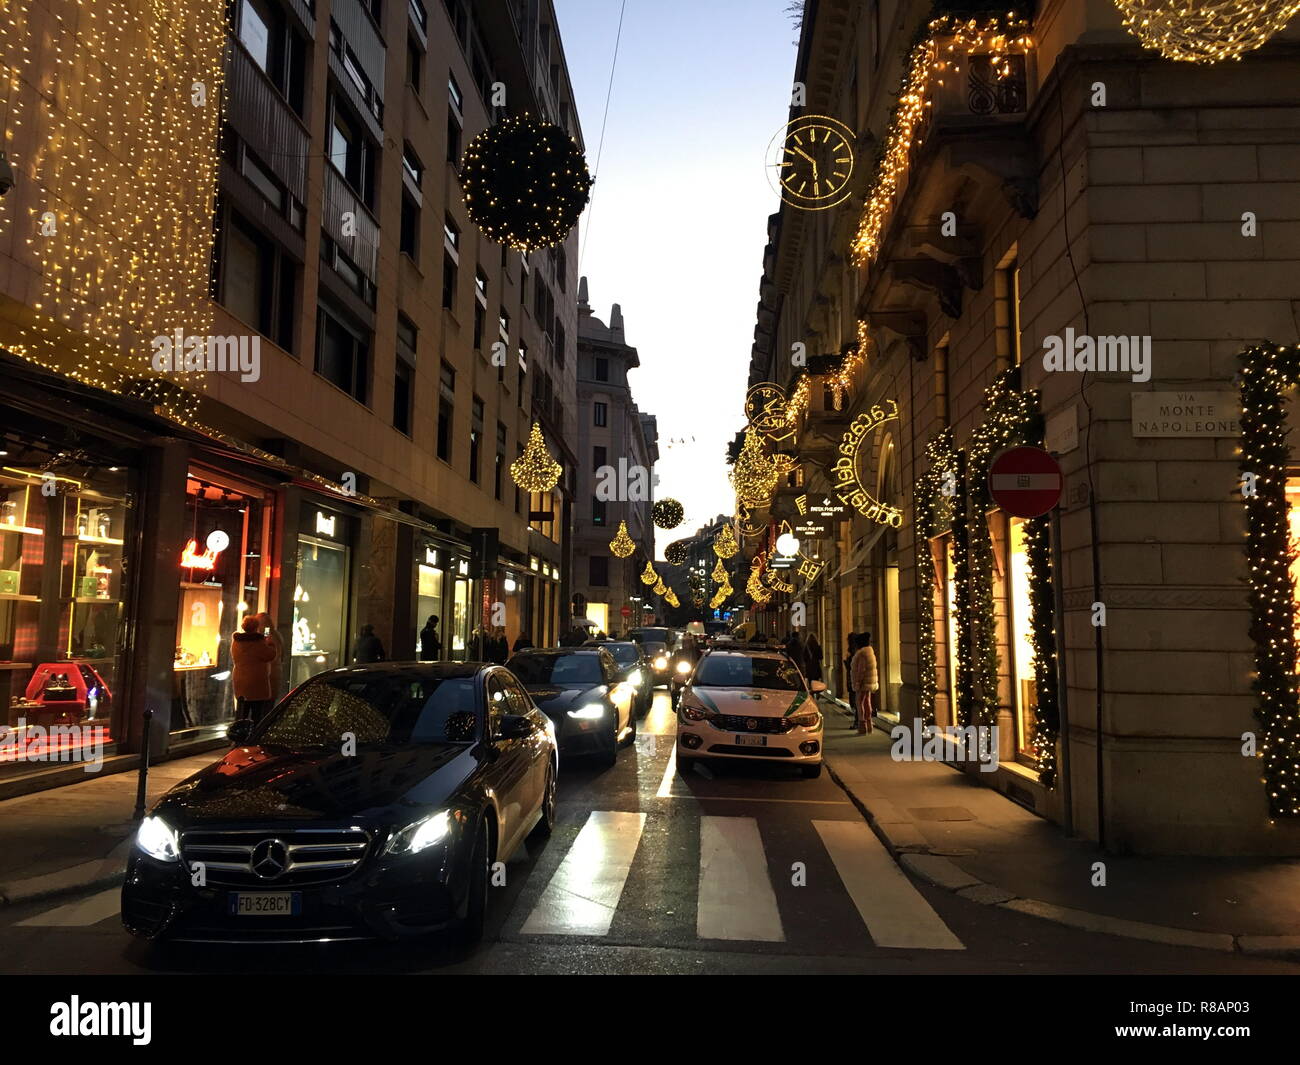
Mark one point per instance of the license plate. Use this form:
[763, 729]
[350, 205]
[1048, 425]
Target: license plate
[751, 741]
[265, 903]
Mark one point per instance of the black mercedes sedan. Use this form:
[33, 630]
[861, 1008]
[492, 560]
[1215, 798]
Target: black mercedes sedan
[580, 689]
[372, 802]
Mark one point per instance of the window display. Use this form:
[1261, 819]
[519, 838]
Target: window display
[222, 579]
[460, 619]
[61, 598]
[1024, 691]
[320, 596]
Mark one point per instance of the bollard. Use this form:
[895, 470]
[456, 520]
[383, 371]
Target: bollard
[143, 779]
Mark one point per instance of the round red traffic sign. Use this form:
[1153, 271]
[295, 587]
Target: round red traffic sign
[626, 611]
[1025, 481]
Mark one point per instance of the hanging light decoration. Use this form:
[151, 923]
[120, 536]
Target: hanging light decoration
[649, 576]
[724, 544]
[660, 588]
[753, 476]
[676, 553]
[622, 545]
[670, 597]
[1206, 32]
[668, 513]
[535, 470]
[719, 574]
[525, 183]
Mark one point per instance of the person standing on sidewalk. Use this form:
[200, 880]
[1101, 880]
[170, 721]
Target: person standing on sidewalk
[276, 668]
[251, 655]
[812, 656]
[865, 682]
[848, 674]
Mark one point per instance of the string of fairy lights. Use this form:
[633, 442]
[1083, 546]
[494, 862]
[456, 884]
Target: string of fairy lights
[1207, 31]
[933, 516]
[1268, 371]
[117, 203]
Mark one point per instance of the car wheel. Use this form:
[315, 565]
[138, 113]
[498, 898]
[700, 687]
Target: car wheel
[470, 928]
[811, 772]
[544, 827]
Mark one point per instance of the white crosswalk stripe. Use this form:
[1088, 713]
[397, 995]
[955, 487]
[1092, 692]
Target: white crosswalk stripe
[736, 900]
[582, 897]
[79, 914]
[895, 913]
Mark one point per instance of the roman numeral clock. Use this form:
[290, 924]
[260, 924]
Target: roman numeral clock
[810, 161]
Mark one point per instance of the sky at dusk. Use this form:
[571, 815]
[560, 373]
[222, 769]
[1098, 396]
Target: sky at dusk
[677, 222]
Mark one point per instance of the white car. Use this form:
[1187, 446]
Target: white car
[754, 705]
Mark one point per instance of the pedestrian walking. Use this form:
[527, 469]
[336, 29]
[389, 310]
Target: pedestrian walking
[430, 641]
[368, 647]
[865, 682]
[812, 656]
[499, 646]
[251, 655]
[793, 648]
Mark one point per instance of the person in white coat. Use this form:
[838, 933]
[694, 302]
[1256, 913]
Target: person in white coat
[866, 681]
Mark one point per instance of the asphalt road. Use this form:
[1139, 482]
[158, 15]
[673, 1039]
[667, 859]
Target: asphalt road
[730, 869]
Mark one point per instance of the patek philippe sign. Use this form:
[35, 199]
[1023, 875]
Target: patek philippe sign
[1204, 414]
[811, 528]
[823, 508]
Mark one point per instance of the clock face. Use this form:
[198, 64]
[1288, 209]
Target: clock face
[814, 162]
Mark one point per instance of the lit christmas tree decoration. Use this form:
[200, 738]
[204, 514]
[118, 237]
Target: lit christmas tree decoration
[535, 470]
[724, 544]
[622, 545]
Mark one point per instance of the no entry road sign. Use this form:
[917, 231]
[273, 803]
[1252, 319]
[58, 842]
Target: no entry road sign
[1025, 481]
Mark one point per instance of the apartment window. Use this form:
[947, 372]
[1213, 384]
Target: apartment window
[277, 50]
[602, 369]
[598, 511]
[411, 165]
[255, 22]
[454, 94]
[409, 237]
[343, 353]
[523, 371]
[446, 409]
[503, 322]
[418, 14]
[414, 63]
[475, 438]
[352, 154]
[480, 315]
[407, 338]
[1006, 305]
[600, 412]
[256, 280]
[448, 281]
[454, 131]
[561, 343]
[481, 283]
[451, 233]
[562, 268]
[598, 571]
[599, 457]
[402, 396]
[261, 178]
[499, 465]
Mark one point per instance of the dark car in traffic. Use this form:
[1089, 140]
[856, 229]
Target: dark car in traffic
[581, 690]
[371, 802]
[632, 668]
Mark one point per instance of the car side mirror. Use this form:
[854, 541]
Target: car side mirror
[514, 727]
[239, 732]
[817, 687]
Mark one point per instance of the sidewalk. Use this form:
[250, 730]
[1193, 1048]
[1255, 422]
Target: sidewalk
[950, 830]
[76, 838]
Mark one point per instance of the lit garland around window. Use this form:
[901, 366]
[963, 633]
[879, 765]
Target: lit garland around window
[1268, 371]
[949, 39]
[622, 545]
[525, 183]
[535, 470]
[668, 513]
[114, 109]
[934, 513]
[1207, 31]
[724, 544]
[648, 575]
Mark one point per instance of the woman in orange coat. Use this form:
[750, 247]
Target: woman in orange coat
[251, 655]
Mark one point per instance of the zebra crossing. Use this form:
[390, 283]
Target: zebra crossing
[736, 895]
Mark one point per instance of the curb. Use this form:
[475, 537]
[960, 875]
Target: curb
[76, 879]
[901, 840]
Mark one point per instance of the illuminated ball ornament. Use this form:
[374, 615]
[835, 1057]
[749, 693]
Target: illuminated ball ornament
[525, 183]
[622, 545]
[1205, 32]
[535, 470]
[668, 513]
[675, 553]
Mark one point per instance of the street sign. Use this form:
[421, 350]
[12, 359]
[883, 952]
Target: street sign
[811, 528]
[626, 611]
[1025, 482]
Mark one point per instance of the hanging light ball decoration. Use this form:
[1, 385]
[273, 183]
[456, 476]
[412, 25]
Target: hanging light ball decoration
[525, 183]
[535, 470]
[622, 545]
[724, 544]
[649, 576]
[675, 554]
[668, 513]
[1206, 32]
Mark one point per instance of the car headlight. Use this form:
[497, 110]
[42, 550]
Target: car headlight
[695, 713]
[635, 677]
[683, 667]
[589, 712]
[158, 840]
[661, 662]
[809, 720]
[422, 834]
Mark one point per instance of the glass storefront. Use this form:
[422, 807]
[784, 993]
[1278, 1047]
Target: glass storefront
[223, 579]
[428, 595]
[459, 628]
[1024, 690]
[62, 542]
[320, 594]
[1293, 526]
[950, 624]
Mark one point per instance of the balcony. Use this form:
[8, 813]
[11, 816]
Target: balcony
[259, 114]
[362, 246]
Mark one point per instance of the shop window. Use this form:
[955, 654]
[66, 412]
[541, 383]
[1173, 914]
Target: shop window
[1024, 691]
[320, 595]
[62, 592]
[223, 571]
[460, 619]
[950, 622]
[429, 584]
[1293, 524]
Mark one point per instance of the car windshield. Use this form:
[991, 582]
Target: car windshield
[376, 708]
[740, 671]
[558, 670]
[645, 637]
[624, 653]
[652, 649]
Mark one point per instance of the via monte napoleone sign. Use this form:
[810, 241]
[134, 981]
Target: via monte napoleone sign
[1205, 414]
